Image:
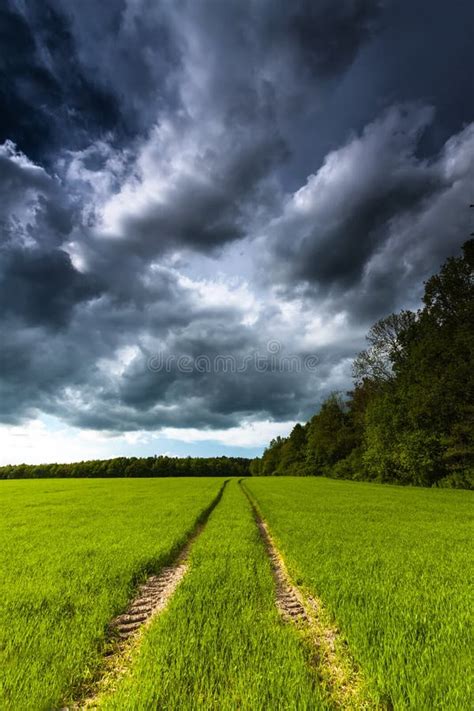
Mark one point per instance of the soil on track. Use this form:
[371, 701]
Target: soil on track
[152, 596]
[288, 598]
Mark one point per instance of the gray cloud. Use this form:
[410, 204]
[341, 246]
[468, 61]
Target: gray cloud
[38, 283]
[361, 229]
[48, 99]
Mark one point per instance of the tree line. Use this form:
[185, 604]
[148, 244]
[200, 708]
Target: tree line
[410, 416]
[157, 466]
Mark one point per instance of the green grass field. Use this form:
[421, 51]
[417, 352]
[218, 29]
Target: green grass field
[390, 564]
[71, 552]
[221, 644]
[394, 566]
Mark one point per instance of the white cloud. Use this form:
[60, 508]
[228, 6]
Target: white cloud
[48, 440]
[229, 293]
[248, 434]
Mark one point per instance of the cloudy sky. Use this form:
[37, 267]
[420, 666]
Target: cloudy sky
[205, 204]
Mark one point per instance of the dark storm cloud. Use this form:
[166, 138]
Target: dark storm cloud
[431, 64]
[190, 395]
[419, 52]
[274, 39]
[325, 36]
[47, 99]
[41, 288]
[242, 68]
[67, 377]
[73, 73]
[252, 64]
[157, 140]
[361, 229]
[38, 282]
[208, 204]
[130, 50]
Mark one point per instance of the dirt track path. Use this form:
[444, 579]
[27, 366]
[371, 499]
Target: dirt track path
[152, 596]
[125, 630]
[336, 669]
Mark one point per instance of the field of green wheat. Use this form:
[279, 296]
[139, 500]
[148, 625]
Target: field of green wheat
[391, 566]
[71, 552]
[394, 566]
[221, 644]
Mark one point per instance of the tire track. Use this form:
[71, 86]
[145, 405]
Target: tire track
[125, 631]
[288, 598]
[337, 671]
[153, 596]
